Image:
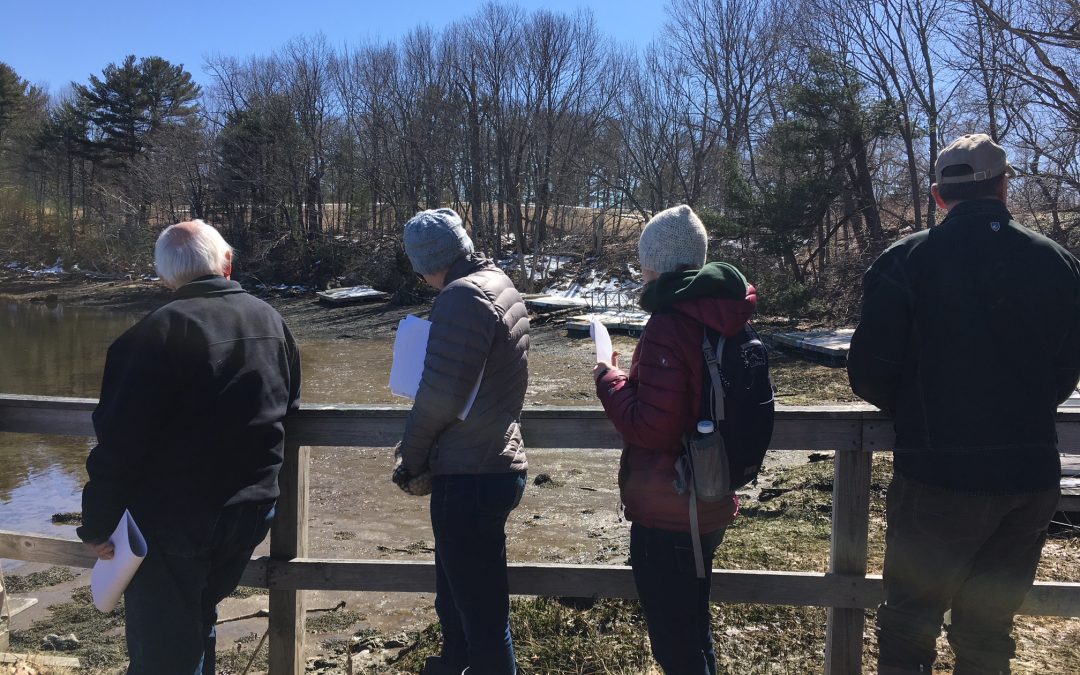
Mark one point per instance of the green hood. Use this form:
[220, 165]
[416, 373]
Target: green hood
[714, 280]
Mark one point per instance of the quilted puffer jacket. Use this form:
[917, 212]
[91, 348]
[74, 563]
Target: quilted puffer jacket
[658, 401]
[479, 325]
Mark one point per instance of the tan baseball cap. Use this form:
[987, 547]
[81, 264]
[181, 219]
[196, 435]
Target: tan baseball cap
[979, 157]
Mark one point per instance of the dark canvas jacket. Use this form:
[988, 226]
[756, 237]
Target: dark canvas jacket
[659, 400]
[479, 324]
[970, 338]
[190, 416]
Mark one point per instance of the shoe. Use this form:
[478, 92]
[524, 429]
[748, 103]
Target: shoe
[435, 666]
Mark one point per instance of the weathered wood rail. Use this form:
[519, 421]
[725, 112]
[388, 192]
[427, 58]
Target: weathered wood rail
[854, 431]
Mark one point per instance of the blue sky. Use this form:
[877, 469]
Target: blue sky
[55, 41]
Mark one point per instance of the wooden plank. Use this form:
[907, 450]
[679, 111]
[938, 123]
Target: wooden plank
[49, 550]
[592, 581]
[850, 531]
[288, 540]
[5, 615]
[47, 415]
[797, 427]
[17, 606]
[40, 660]
[750, 586]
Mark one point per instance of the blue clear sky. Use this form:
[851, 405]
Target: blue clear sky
[53, 42]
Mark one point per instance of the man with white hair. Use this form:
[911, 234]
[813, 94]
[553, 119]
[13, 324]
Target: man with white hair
[190, 441]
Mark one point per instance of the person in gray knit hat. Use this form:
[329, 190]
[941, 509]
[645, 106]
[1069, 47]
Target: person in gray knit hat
[434, 239]
[470, 457]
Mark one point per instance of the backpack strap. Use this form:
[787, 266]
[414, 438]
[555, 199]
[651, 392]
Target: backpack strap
[717, 403]
[711, 356]
[695, 534]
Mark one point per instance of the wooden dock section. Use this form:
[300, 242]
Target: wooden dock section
[832, 344]
[545, 304]
[633, 324]
[338, 297]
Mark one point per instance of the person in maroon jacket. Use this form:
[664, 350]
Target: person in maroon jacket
[652, 407]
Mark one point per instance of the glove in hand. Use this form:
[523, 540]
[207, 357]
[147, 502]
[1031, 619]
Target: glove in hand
[418, 486]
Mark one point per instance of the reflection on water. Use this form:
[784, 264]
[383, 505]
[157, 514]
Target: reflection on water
[56, 351]
[48, 351]
[60, 351]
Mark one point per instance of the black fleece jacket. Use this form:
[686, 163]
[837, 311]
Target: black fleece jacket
[190, 416]
[970, 338]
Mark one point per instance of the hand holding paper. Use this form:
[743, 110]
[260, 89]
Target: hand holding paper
[110, 577]
[602, 339]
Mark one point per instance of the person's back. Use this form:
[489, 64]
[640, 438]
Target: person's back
[212, 406]
[474, 463]
[969, 338]
[478, 321]
[982, 374]
[190, 440]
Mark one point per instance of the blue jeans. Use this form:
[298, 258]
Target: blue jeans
[171, 603]
[674, 601]
[472, 598]
[974, 553]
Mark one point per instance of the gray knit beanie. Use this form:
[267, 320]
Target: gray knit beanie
[672, 239]
[435, 239]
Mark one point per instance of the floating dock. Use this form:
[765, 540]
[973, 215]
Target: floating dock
[336, 297]
[632, 323]
[545, 304]
[831, 344]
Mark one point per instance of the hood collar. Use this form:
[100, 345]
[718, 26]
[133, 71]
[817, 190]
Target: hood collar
[211, 284]
[717, 295]
[464, 266]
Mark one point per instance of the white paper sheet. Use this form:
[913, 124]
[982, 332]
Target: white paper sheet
[602, 339]
[109, 578]
[410, 350]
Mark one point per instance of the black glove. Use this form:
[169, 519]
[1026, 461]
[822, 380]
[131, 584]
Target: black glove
[401, 477]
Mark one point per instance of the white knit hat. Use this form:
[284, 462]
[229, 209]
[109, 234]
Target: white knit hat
[674, 238]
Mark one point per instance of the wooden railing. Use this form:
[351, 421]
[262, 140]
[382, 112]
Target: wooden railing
[854, 432]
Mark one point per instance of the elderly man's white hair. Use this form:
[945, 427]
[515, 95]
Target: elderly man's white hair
[189, 250]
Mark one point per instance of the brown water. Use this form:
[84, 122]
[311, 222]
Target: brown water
[60, 351]
[355, 511]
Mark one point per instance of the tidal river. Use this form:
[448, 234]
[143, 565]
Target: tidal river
[60, 351]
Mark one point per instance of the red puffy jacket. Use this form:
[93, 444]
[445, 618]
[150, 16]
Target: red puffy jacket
[659, 401]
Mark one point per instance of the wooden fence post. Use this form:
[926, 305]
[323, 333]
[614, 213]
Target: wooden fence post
[850, 528]
[288, 540]
[4, 616]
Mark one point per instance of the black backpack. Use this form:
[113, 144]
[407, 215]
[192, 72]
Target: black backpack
[737, 398]
[746, 420]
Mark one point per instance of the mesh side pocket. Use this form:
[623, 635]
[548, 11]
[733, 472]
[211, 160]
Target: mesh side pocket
[709, 462]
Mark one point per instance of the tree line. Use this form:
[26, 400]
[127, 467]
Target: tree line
[803, 130]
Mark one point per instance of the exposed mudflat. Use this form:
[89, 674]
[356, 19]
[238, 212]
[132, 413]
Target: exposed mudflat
[355, 511]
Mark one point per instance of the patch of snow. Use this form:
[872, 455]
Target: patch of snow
[56, 268]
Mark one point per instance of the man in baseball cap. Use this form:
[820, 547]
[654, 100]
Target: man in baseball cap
[970, 339]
